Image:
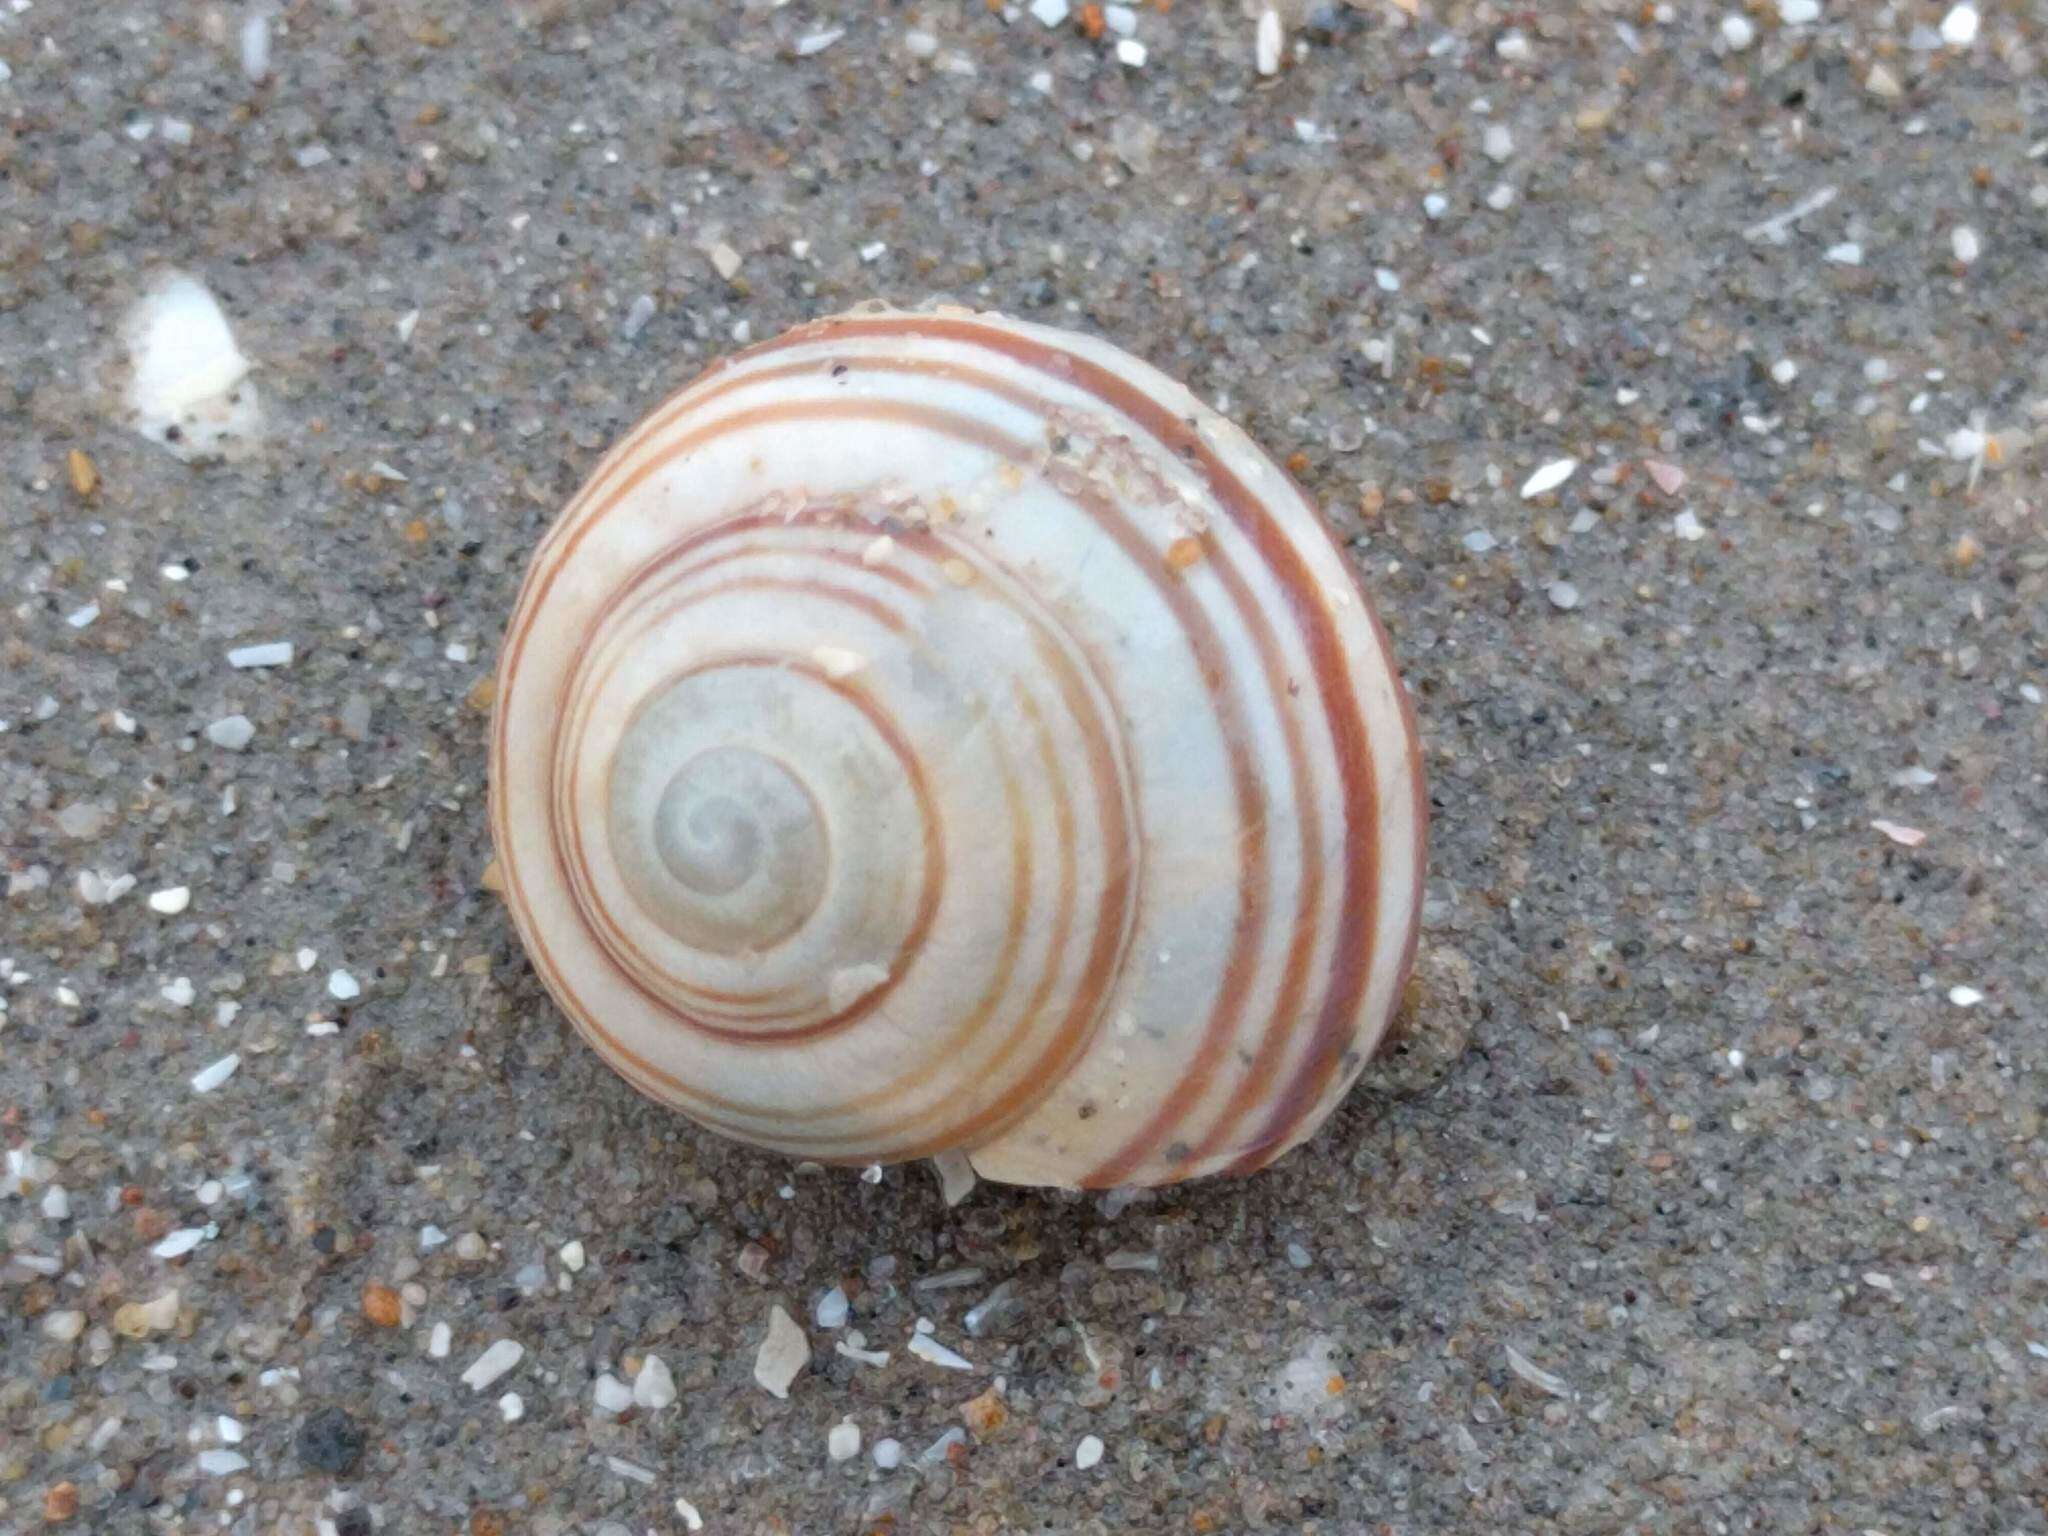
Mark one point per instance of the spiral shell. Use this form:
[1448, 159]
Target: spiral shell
[935, 732]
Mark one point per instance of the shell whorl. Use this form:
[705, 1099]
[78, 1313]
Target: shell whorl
[933, 731]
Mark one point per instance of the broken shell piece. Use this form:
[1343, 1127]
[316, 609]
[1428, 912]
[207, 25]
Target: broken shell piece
[189, 386]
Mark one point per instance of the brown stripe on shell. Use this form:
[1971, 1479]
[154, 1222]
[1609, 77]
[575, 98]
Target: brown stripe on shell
[1336, 1023]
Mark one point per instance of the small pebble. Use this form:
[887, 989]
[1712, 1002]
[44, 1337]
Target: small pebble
[1564, 596]
[231, 732]
[331, 1441]
[1737, 32]
[843, 1442]
[888, 1454]
[832, 1308]
[1964, 242]
[612, 1395]
[1959, 26]
[654, 1386]
[255, 47]
[381, 1305]
[1088, 1453]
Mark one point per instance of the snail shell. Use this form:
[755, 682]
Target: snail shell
[935, 732]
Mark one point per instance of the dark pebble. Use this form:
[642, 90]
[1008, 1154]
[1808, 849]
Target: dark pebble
[331, 1441]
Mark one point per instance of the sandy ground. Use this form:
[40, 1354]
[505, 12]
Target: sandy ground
[1710, 1198]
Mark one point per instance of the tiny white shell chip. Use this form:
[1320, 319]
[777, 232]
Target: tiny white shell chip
[1088, 1452]
[832, 1308]
[493, 1363]
[275, 653]
[1959, 26]
[783, 1354]
[956, 1175]
[255, 47]
[1965, 997]
[209, 1078]
[1266, 42]
[179, 1243]
[170, 901]
[1549, 478]
[655, 1386]
[843, 1443]
[925, 1347]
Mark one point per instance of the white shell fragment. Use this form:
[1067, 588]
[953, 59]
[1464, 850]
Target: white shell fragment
[956, 1176]
[937, 734]
[783, 1354]
[272, 653]
[655, 1385]
[1549, 478]
[189, 387]
[493, 1363]
[925, 1347]
[209, 1078]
